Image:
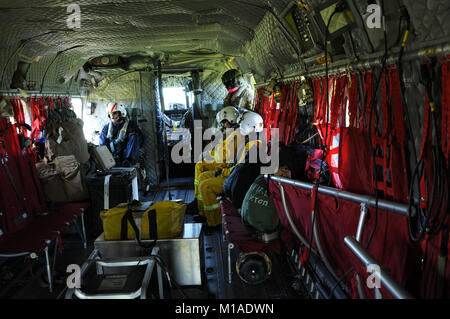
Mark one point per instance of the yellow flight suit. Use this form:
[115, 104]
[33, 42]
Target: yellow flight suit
[210, 187]
[222, 152]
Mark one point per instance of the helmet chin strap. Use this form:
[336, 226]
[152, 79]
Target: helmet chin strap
[233, 90]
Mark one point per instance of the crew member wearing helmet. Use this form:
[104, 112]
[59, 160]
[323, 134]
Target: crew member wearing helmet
[249, 122]
[240, 93]
[227, 119]
[122, 136]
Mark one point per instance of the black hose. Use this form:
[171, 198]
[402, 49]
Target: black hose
[323, 146]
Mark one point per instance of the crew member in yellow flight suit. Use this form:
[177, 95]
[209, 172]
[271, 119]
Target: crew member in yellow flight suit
[209, 188]
[227, 119]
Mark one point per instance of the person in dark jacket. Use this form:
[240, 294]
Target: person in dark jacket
[122, 136]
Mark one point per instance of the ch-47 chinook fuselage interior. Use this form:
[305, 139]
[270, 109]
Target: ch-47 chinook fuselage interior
[108, 109]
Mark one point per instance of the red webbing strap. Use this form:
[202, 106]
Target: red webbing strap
[341, 135]
[396, 96]
[334, 107]
[353, 100]
[340, 102]
[317, 99]
[270, 116]
[338, 107]
[384, 163]
[368, 91]
[293, 116]
[303, 253]
[324, 102]
[445, 122]
[50, 103]
[289, 122]
[384, 105]
[320, 97]
[42, 109]
[19, 116]
[36, 124]
[283, 112]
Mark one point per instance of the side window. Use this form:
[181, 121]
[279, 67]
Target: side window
[77, 106]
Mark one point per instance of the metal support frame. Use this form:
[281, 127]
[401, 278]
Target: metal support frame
[49, 272]
[291, 223]
[365, 201]
[369, 201]
[51, 268]
[230, 272]
[141, 292]
[316, 238]
[83, 229]
[386, 280]
[359, 231]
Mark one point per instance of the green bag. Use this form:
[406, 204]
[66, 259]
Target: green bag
[258, 210]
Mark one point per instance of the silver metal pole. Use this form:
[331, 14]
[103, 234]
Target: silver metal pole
[83, 229]
[362, 221]
[397, 208]
[319, 247]
[386, 280]
[291, 223]
[148, 272]
[160, 281]
[49, 274]
[230, 247]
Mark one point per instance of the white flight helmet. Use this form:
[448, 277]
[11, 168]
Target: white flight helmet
[250, 122]
[229, 113]
[116, 107]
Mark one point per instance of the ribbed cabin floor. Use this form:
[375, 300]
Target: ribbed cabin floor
[19, 281]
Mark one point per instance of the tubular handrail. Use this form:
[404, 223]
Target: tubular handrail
[319, 248]
[365, 201]
[369, 201]
[291, 223]
[386, 280]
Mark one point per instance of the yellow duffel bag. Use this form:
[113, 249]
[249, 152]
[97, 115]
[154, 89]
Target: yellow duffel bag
[161, 220]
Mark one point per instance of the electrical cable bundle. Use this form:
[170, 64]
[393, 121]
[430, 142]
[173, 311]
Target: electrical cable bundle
[324, 147]
[430, 215]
